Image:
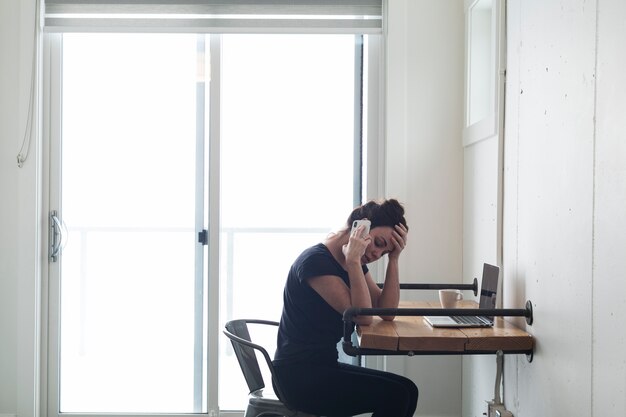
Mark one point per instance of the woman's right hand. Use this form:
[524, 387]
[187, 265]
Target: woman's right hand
[357, 243]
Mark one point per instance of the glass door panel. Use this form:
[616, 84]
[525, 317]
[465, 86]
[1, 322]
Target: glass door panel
[287, 162]
[129, 320]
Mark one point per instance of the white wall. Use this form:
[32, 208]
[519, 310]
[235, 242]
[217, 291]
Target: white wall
[565, 188]
[9, 12]
[425, 168]
[564, 199]
[480, 245]
[609, 240]
[19, 211]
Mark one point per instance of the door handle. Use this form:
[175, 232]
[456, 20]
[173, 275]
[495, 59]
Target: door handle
[58, 233]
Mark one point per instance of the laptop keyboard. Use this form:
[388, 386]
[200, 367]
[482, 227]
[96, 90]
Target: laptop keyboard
[471, 320]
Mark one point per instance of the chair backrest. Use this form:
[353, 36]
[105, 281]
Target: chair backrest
[237, 332]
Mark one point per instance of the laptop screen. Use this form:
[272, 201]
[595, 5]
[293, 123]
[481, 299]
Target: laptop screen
[489, 287]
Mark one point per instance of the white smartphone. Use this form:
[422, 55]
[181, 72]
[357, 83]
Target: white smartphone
[357, 223]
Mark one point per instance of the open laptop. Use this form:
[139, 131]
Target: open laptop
[488, 291]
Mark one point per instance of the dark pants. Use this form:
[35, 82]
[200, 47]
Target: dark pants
[346, 390]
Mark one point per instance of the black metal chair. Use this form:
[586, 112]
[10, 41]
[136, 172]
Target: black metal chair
[259, 404]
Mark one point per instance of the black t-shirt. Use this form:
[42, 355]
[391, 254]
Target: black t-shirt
[309, 327]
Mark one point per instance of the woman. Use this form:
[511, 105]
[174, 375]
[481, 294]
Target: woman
[323, 282]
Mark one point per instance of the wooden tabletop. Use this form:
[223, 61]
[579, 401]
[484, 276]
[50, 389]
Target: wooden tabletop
[411, 334]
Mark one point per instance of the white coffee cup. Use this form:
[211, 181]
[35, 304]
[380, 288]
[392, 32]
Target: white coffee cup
[450, 298]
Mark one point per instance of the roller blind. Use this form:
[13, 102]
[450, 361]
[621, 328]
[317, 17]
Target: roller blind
[214, 16]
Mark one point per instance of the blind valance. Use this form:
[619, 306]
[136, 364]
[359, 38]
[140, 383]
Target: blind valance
[214, 16]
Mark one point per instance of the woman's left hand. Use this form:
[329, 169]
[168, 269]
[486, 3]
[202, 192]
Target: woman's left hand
[399, 239]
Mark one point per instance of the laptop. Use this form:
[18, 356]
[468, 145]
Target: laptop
[488, 291]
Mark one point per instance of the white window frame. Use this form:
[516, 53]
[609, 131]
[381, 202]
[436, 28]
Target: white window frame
[491, 124]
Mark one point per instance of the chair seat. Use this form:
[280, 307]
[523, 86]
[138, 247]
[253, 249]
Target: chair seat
[260, 404]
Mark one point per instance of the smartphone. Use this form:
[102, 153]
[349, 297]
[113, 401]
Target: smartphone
[357, 223]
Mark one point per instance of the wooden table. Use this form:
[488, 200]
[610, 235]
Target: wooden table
[411, 335]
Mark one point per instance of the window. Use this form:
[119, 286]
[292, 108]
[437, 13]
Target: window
[184, 142]
[484, 70]
[156, 138]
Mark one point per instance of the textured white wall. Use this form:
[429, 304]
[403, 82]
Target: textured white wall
[565, 188]
[609, 223]
[548, 248]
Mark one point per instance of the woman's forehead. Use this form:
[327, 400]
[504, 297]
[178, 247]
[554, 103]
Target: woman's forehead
[384, 232]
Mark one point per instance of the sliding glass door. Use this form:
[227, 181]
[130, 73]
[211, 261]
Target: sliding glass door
[184, 174]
